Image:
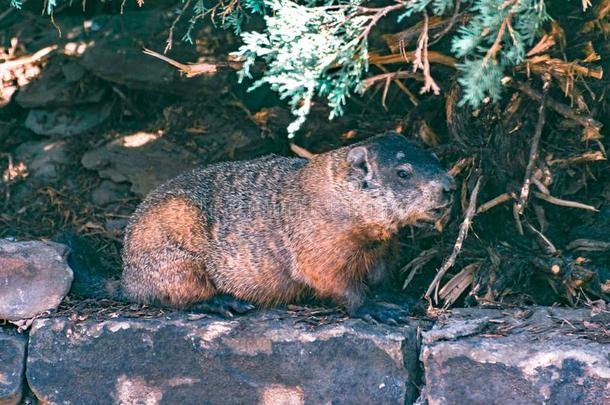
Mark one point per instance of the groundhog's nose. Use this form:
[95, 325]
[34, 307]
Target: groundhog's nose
[448, 183]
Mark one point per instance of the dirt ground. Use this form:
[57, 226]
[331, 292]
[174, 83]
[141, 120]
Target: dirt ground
[89, 125]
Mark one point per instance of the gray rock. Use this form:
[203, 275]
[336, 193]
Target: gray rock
[67, 121]
[543, 356]
[43, 159]
[34, 278]
[109, 192]
[60, 85]
[264, 358]
[116, 55]
[143, 159]
[125, 64]
[12, 366]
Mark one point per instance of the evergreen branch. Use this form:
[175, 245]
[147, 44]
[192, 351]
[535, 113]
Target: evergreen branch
[421, 61]
[378, 14]
[170, 35]
[492, 52]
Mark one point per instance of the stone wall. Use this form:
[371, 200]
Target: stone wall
[542, 355]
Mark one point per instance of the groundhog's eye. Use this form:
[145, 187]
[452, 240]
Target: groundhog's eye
[404, 174]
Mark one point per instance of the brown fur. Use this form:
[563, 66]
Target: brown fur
[273, 229]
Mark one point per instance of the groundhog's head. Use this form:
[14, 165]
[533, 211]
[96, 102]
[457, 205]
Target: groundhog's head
[398, 182]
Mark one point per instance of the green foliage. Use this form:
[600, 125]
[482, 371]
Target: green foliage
[480, 80]
[319, 48]
[313, 50]
[308, 51]
[439, 7]
[512, 27]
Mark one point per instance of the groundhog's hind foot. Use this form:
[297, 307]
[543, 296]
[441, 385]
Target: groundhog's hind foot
[224, 305]
[383, 312]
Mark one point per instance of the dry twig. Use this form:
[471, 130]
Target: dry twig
[300, 151]
[590, 156]
[412, 97]
[421, 61]
[564, 203]
[398, 40]
[452, 21]
[533, 156]
[550, 246]
[463, 233]
[502, 198]
[170, 37]
[452, 290]
[417, 264]
[495, 48]
[193, 69]
[546, 42]
[26, 60]
[589, 245]
[388, 76]
[433, 56]
[558, 107]
[374, 14]
[560, 69]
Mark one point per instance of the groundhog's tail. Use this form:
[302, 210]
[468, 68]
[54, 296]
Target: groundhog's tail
[91, 279]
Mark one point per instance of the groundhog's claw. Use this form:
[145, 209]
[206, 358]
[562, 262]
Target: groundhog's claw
[224, 305]
[389, 314]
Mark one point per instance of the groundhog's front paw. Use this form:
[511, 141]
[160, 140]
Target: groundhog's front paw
[224, 305]
[383, 312]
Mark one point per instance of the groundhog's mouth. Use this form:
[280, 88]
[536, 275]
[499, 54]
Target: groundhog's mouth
[432, 215]
[441, 210]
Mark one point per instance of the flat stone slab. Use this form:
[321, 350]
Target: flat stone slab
[63, 83]
[537, 356]
[12, 366]
[143, 159]
[34, 278]
[67, 121]
[44, 159]
[265, 358]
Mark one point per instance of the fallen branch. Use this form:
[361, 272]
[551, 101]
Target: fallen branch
[38, 56]
[457, 247]
[460, 165]
[533, 156]
[417, 264]
[558, 107]
[545, 64]
[541, 187]
[433, 57]
[564, 203]
[452, 290]
[195, 69]
[591, 156]
[395, 77]
[370, 81]
[301, 152]
[502, 198]
[589, 245]
[550, 246]
[398, 40]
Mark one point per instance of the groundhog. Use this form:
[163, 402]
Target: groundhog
[271, 230]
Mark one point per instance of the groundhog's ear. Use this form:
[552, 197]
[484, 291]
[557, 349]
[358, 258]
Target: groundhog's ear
[358, 158]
